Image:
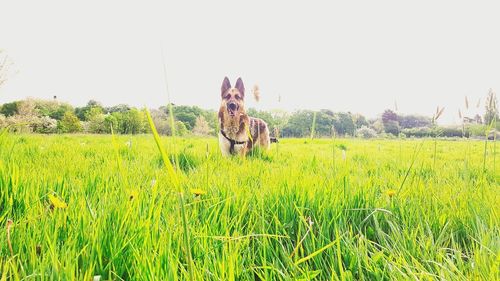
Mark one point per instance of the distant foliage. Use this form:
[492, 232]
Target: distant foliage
[3, 121]
[391, 127]
[366, 133]
[180, 129]
[36, 115]
[45, 125]
[9, 109]
[414, 121]
[360, 121]
[391, 122]
[343, 124]
[389, 115]
[69, 123]
[419, 132]
[299, 124]
[201, 127]
[96, 122]
[133, 122]
[52, 108]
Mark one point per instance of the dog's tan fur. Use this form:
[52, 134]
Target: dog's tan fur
[236, 125]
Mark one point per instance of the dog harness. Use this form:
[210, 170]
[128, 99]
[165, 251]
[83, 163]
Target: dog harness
[232, 142]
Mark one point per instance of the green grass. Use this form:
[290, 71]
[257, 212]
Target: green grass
[304, 212]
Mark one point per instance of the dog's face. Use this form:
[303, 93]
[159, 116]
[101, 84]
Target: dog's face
[233, 98]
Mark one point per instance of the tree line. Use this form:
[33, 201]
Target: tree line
[52, 116]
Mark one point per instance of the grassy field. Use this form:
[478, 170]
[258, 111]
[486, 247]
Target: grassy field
[73, 207]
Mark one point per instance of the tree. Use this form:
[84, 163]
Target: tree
[299, 124]
[45, 125]
[161, 121]
[186, 114]
[390, 121]
[360, 121]
[69, 123]
[391, 127]
[110, 121]
[9, 109]
[52, 108]
[324, 122]
[343, 124]
[133, 121]
[201, 127]
[81, 112]
[27, 108]
[275, 119]
[163, 124]
[377, 125]
[491, 108]
[414, 121]
[180, 128]
[389, 115]
[96, 121]
[117, 108]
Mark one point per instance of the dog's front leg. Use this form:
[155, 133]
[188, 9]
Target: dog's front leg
[243, 151]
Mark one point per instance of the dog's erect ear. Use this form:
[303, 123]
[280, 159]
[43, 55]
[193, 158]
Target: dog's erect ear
[226, 85]
[240, 87]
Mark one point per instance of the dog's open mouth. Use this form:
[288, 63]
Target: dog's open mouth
[232, 108]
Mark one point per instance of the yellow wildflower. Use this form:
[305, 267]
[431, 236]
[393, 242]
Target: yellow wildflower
[133, 194]
[56, 202]
[390, 192]
[198, 191]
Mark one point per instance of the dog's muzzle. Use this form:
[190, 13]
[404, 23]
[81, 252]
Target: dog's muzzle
[232, 108]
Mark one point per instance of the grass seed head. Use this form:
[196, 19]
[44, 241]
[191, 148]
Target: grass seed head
[10, 223]
[439, 112]
[256, 93]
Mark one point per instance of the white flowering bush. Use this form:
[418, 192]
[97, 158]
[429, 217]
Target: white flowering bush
[366, 133]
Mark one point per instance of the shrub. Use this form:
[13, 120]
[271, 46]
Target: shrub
[97, 124]
[453, 131]
[419, 132]
[366, 133]
[201, 127]
[3, 121]
[391, 127]
[44, 125]
[69, 123]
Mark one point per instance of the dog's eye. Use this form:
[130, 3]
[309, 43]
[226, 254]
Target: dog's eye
[237, 97]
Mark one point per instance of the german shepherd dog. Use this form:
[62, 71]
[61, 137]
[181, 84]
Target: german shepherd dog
[239, 133]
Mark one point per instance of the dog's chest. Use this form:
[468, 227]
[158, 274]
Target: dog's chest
[225, 145]
[232, 131]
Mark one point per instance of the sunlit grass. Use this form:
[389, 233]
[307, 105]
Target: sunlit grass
[298, 214]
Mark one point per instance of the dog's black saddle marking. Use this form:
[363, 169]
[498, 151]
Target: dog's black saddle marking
[232, 142]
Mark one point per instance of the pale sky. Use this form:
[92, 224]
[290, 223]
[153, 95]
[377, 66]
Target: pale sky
[358, 56]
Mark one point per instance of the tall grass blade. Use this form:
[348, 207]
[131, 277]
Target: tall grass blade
[175, 180]
[317, 252]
